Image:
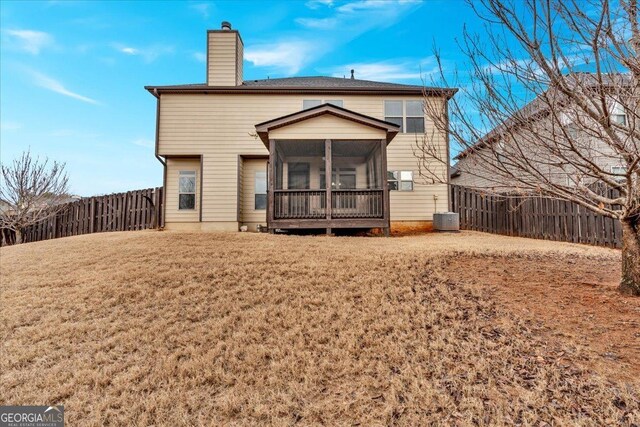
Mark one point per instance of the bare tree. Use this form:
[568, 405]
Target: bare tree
[573, 124]
[31, 191]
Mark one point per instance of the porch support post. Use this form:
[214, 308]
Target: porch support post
[385, 188]
[328, 174]
[271, 181]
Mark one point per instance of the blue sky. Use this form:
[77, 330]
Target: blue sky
[72, 73]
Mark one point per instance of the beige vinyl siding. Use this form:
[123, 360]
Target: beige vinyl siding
[221, 127]
[327, 127]
[223, 59]
[249, 214]
[239, 59]
[173, 214]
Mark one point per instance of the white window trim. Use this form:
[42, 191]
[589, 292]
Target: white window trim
[193, 173]
[400, 180]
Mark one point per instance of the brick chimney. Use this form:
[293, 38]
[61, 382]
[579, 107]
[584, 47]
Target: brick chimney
[224, 56]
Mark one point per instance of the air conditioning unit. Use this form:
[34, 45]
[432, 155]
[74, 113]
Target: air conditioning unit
[446, 221]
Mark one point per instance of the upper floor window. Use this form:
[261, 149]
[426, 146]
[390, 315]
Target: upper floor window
[409, 115]
[572, 131]
[310, 103]
[415, 117]
[618, 114]
[619, 118]
[393, 113]
[187, 190]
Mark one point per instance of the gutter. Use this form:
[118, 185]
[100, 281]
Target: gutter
[445, 92]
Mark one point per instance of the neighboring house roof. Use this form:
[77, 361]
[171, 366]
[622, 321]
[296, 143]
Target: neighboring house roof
[454, 171]
[538, 107]
[317, 84]
[263, 128]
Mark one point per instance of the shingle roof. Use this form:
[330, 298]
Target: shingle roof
[329, 82]
[308, 84]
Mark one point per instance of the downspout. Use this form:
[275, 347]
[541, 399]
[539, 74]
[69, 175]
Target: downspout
[448, 142]
[160, 159]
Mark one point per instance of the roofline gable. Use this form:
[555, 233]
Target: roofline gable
[264, 128]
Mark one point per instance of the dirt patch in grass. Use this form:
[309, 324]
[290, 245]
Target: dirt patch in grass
[215, 329]
[574, 298]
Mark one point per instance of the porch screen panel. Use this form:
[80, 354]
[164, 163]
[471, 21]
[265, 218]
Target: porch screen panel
[297, 192]
[356, 179]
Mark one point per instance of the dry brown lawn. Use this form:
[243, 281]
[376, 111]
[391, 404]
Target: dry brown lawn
[162, 328]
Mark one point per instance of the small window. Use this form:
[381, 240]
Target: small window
[415, 117]
[620, 172]
[393, 113]
[619, 169]
[572, 131]
[260, 202]
[400, 180]
[336, 102]
[310, 103]
[620, 119]
[392, 177]
[187, 190]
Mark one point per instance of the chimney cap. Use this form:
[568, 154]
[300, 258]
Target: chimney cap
[226, 25]
[352, 71]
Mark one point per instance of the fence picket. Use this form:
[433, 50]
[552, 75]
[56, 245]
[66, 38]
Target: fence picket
[133, 210]
[536, 217]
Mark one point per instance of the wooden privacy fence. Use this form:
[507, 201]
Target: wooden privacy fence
[133, 210]
[534, 217]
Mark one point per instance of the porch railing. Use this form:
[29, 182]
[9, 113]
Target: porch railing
[311, 204]
[357, 204]
[299, 204]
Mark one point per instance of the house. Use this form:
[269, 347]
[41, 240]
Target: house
[559, 159]
[292, 153]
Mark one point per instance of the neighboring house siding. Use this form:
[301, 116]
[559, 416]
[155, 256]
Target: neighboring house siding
[173, 214]
[223, 62]
[477, 169]
[221, 127]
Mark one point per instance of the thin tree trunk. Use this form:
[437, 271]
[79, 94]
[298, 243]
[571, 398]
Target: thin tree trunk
[630, 283]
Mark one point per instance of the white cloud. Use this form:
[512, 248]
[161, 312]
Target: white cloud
[199, 56]
[287, 56]
[144, 142]
[370, 4]
[129, 50]
[360, 16]
[201, 8]
[53, 85]
[29, 40]
[9, 125]
[148, 54]
[391, 70]
[315, 4]
[72, 133]
[320, 24]
[323, 34]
